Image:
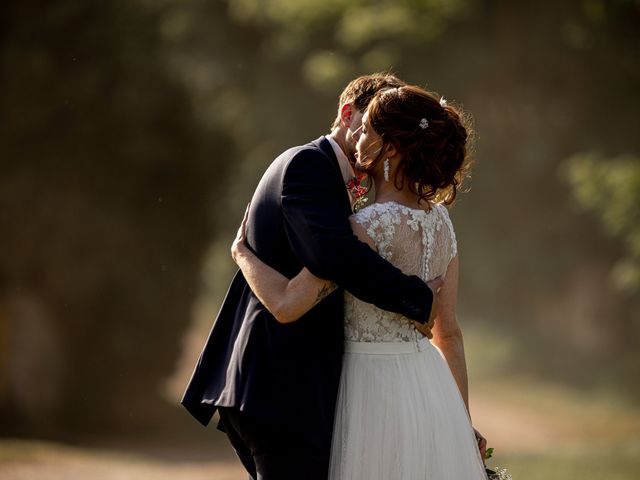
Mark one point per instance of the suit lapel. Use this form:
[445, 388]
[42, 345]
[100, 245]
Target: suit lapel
[325, 147]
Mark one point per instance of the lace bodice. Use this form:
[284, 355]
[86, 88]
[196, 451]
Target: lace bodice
[419, 243]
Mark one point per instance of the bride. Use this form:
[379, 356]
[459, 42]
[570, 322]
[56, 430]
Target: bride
[402, 410]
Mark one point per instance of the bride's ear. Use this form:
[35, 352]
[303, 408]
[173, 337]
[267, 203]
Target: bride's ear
[391, 150]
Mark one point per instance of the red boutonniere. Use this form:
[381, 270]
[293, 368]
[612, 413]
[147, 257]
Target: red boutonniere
[359, 186]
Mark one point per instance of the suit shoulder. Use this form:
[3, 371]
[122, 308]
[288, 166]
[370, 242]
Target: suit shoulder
[302, 151]
[301, 160]
[307, 157]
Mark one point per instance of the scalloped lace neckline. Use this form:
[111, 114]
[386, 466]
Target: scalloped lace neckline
[402, 206]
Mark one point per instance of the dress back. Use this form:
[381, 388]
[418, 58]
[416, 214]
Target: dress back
[416, 241]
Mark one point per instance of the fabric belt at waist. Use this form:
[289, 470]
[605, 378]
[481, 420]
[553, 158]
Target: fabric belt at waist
[387, 348]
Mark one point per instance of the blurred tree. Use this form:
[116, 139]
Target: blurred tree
[107, 185]
[611, 189]
[544, 80]
[121, 121]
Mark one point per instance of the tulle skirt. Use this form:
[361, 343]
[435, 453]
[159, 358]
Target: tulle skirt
[400, 416]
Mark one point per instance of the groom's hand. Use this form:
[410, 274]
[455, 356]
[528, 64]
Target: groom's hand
[425, 328]
[239, 245]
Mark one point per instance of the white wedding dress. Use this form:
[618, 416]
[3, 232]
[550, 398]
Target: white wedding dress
[400, 415]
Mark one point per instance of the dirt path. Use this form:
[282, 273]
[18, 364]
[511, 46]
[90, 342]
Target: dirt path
[526, 422]
[29, 460]
[529, 417]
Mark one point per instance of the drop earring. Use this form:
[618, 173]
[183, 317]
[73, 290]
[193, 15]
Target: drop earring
[386, 169]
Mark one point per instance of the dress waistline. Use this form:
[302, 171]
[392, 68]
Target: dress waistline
[387, 348]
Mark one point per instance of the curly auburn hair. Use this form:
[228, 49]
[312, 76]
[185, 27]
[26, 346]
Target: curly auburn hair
[435, 160]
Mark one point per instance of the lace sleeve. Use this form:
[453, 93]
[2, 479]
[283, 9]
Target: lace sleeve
[453, 245]
[416, 241]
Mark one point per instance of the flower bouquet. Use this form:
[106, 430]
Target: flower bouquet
[498, 473]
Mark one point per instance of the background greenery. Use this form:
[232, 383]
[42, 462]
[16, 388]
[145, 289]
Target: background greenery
[132, 134]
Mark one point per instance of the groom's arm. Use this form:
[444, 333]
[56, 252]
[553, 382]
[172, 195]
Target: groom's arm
[321, 237]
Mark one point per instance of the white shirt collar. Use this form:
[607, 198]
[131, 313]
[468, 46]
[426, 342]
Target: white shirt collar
[343, 161]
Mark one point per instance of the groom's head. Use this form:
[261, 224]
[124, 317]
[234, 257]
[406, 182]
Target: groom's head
[352, 104]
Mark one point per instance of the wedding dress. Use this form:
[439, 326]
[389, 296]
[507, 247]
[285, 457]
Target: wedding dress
[400, 415]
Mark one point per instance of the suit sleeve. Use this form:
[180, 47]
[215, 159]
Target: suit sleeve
[321, 237]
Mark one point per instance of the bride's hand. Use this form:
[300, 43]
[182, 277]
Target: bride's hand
[482, 444]
[239, 245]
[435, 285]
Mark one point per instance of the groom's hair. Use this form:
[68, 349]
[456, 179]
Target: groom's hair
[360, 91]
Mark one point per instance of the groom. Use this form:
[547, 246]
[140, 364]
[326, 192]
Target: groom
[275, 385]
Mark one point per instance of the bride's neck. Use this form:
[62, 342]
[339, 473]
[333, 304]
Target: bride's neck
[386, 191]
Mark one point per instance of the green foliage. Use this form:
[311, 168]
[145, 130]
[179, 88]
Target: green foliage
[610, 188]
[561, 463]
[125, 121]
[532, 75]
[106, 188]
[356, 33]
[489, 453]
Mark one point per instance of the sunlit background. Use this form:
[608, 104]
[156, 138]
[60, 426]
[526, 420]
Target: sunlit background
[133, 133]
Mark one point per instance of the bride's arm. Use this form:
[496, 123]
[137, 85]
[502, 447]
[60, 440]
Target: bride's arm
[287, 300]
[447, 335]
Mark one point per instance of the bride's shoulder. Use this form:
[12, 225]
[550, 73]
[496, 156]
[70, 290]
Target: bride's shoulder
[444, 217]
[442, 208]
[373, 211]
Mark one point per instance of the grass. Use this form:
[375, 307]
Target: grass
[539, 429]
[577, 466]
[546, 430]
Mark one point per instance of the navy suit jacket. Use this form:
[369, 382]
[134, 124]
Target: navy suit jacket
[288, 374]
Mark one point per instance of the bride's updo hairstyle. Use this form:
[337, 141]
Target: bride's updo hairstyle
[432, 136]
